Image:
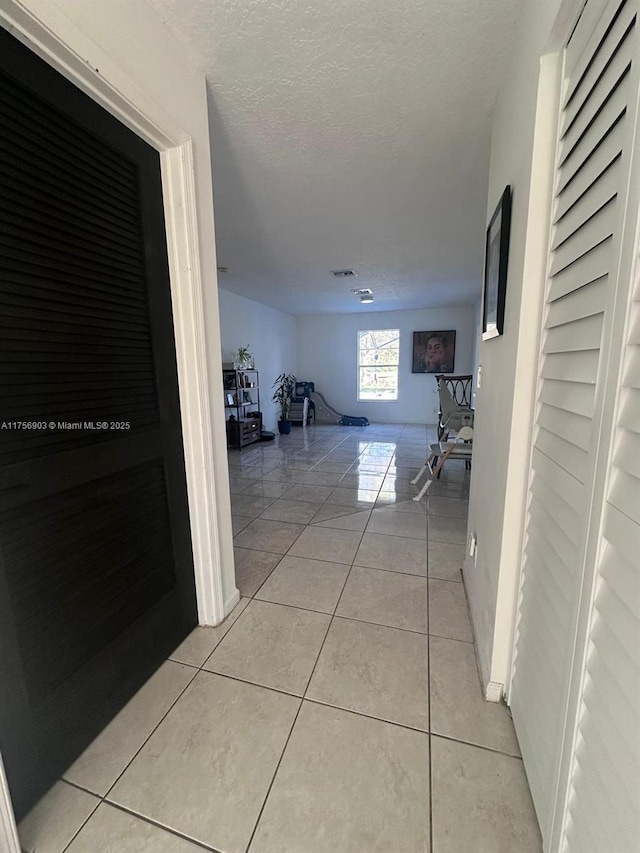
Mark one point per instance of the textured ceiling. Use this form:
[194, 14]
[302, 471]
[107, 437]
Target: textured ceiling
[349, 134]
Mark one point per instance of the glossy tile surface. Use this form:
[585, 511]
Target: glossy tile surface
[451, 507]
[253, 568]
[446, 561]
[239, 522]
[443, 528]
[374, 670]
[285, 509]
[206, 769]
[356, 521]
[347, 784]
[348, 585]
[104, 760]
[387, 598]
[272, 645]
[55, 819]
[249, 505]
[337, 546]
[481, 801]
[448, 611]
[110, 830]
[394, 523]
[393, 553]
[458, 709]
[275, 537]
[202, 640]
[300, 582]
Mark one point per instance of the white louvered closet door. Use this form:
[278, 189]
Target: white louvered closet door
[602, 811]
[596, 132]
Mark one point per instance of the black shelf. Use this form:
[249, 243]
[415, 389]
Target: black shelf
[244, 420]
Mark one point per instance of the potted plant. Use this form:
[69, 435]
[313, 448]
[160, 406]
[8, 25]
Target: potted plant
[244, 359]
[284, 387]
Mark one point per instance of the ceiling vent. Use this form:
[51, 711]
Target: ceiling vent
[364, 291]
[343, 273]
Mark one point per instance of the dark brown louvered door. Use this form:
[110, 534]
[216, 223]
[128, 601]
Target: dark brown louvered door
[96, 571]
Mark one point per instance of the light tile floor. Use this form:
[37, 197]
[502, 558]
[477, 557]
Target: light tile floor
[338, 708]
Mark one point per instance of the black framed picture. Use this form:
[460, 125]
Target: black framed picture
[495, 268]
[434, 352]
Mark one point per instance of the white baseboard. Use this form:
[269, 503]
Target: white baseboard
[494, 691]
[231, 602]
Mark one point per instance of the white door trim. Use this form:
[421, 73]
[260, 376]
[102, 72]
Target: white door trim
[9, 840]
[188, 319]
[178, 181]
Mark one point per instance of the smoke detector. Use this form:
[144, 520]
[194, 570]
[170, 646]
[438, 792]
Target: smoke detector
[343, 273]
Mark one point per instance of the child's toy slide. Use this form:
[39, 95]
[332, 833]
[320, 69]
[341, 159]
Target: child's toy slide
[326, 414]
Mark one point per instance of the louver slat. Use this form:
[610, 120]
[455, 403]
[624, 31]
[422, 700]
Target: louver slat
[595, 231]
[576, 157]
[613, 78]
[582, 44]
[590, 70]
[572, 428]
[77, 345]
[599, 194]
[584, 302]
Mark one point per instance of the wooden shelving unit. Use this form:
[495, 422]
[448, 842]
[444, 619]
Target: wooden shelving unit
[242, 406]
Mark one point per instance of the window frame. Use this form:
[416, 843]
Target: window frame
[359, 334]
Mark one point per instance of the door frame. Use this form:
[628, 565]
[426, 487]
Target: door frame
[203, 440]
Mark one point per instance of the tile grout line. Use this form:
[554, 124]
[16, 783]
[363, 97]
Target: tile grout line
[103, 797]
[258, 819]
[137, 815]
[255, 829]
[84, 822]
[175, 832]
[384, 720]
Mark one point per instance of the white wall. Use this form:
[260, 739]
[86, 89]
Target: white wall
[327, 355]
[272, 339]
[504, 403]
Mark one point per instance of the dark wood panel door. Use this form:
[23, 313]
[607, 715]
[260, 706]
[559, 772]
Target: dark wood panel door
[96, 570]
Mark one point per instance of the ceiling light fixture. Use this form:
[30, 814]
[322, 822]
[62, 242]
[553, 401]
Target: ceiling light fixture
[365, 300]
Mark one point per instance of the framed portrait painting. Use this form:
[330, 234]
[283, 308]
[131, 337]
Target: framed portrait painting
[434, 352]
[495, 268]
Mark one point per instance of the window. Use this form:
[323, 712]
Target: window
[378, 359]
